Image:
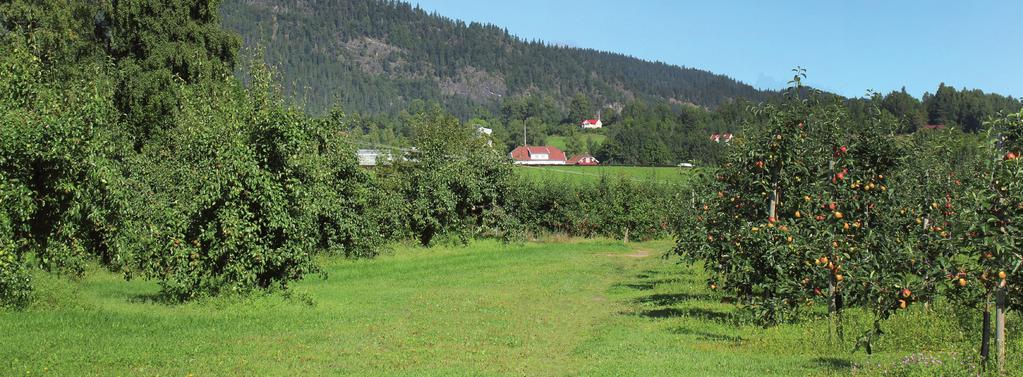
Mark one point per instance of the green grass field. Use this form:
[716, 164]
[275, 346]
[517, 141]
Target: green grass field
[590, 174]
[559, 141]
[588, 308]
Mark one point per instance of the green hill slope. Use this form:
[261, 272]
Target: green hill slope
[378, 56]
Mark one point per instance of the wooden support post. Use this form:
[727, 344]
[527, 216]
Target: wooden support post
[773, 209]
[985, 336]
[839, 305]
[1000, 326]
[832, 329]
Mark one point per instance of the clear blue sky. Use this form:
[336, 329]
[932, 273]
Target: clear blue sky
[846, 46]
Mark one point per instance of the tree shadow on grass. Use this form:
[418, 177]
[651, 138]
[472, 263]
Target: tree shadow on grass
[667, 281]
[646, 274]
[697, 313]
[833, 364]
[669, 299]
[705, 335]
[635, 286]
[153, 298]
[647, 284]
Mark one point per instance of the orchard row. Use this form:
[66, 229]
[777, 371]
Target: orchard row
[813, 207]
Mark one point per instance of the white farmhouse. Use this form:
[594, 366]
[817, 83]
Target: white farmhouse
[590, 124]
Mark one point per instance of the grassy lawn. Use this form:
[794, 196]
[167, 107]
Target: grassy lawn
[590, 174]
[591, 308]
[559, 141]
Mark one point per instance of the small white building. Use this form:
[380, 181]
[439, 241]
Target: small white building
[590, 124]
[370, 157]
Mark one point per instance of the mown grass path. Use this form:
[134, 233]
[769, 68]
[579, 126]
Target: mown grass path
[573, 308]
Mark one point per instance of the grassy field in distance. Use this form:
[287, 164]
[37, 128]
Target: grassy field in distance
[574, 307]
[559, 141]
[589, 174]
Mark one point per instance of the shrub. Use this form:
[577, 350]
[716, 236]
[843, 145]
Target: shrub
[613, 207]
[349, 205]
[55, 136]
[450, 183]
[230, 198]
[15, 282]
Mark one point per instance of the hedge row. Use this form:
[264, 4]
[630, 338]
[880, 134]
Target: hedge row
[613, 207]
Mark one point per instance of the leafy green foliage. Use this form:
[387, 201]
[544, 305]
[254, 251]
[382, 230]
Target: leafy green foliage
[245, 201]
[15, 282]
[611, 207]
[801, 213]
[352, 214]
[451, 182]
[225, 190]
[156, 44]
[812, 205]
[994, 245]
[54, 139]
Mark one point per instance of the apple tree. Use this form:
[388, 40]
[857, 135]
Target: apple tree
[803, 213]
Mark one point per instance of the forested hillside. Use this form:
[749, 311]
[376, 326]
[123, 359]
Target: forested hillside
[378, 56]
[383, 61]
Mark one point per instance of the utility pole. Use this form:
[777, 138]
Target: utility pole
[524, 134]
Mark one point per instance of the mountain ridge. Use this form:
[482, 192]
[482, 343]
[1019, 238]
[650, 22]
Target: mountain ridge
[378, 56]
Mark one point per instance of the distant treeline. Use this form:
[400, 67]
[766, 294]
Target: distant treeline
[653, 133]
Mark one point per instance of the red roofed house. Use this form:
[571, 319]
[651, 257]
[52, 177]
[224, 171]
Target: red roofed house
[546, 155]
[583, 160]
[592, 123]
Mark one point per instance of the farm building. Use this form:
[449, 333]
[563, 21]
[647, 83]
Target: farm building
[545, 155]
[592, 123]
[583, 160]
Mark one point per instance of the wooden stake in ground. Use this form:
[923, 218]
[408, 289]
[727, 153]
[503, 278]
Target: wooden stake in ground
[832, 309]
[985, 336]
[1000, 326]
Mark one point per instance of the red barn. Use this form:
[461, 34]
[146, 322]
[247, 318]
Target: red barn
[583, 160]
[545, 155]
